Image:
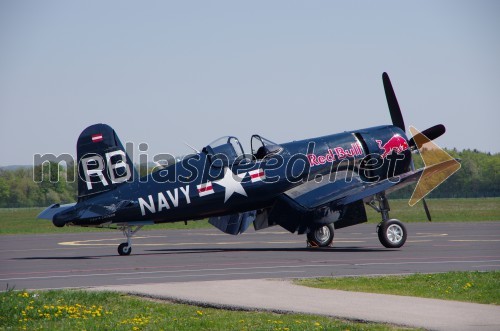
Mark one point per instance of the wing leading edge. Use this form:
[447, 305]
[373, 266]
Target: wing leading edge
[312, 195]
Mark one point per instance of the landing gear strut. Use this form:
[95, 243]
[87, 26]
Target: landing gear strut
[320, 237]
[391, 232]
[126, 248]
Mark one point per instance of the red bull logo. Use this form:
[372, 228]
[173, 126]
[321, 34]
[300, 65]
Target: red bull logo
[396, 143]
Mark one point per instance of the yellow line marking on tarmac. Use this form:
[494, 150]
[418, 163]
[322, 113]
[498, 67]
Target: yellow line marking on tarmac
[301, 241]
[102, 242]
[99, 242]
[348, 241]
[425, 233]
[473, 240]
[205, 234]
[84, 243]
[271, 232]
[430, 235]
[106, 239]
[476, 235]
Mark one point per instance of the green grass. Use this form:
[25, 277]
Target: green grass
[478, 287]
[80, 310]
[23, 220]
[443, 210]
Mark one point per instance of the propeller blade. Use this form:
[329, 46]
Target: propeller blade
[431, 133]
[392, 102]
[427, 212]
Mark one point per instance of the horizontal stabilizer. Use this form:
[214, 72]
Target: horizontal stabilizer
[53, 209]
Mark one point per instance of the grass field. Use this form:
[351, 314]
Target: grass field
[443, 210]
[80, 310]
[478, 287]
[23, 220]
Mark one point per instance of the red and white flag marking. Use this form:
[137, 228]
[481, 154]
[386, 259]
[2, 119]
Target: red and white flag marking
[205, 189]
[257, 175]
[97, 138]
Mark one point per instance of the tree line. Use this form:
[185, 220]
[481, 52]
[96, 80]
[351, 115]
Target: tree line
[478, 177]
[40, 186]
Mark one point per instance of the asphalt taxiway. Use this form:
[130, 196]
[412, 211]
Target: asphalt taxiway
[91, 259]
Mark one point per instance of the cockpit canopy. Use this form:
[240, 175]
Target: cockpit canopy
[262, 147]
[228, 145]
[226, 150]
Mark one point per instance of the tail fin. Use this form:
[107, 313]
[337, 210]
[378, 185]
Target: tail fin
[102, 161]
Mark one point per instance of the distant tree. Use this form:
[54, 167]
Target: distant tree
[4, 188]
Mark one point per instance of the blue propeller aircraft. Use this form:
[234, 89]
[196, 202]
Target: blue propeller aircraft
[313, 186]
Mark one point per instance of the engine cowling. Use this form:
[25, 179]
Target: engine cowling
[388, 153]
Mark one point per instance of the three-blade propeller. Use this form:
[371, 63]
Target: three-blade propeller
[397, 120]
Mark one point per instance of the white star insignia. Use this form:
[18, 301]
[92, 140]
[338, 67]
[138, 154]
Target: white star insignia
[231, 183]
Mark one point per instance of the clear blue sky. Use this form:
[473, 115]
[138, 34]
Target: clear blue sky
[166, 72]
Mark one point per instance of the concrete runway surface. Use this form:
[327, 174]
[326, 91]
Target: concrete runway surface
[91, 259]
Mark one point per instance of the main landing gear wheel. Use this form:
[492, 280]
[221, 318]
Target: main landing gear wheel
[321, 237]
[124, 249]
[392, 233]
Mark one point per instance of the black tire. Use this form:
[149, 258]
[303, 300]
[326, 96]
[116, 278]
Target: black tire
[322, 236]
[392, 233]
[123, 249]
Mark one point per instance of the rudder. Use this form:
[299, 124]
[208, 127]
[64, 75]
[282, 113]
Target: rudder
[102, 161]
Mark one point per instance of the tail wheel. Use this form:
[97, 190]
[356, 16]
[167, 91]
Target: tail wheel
[129, 231]
[392, 233]
[124, 249]
[322, 236]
